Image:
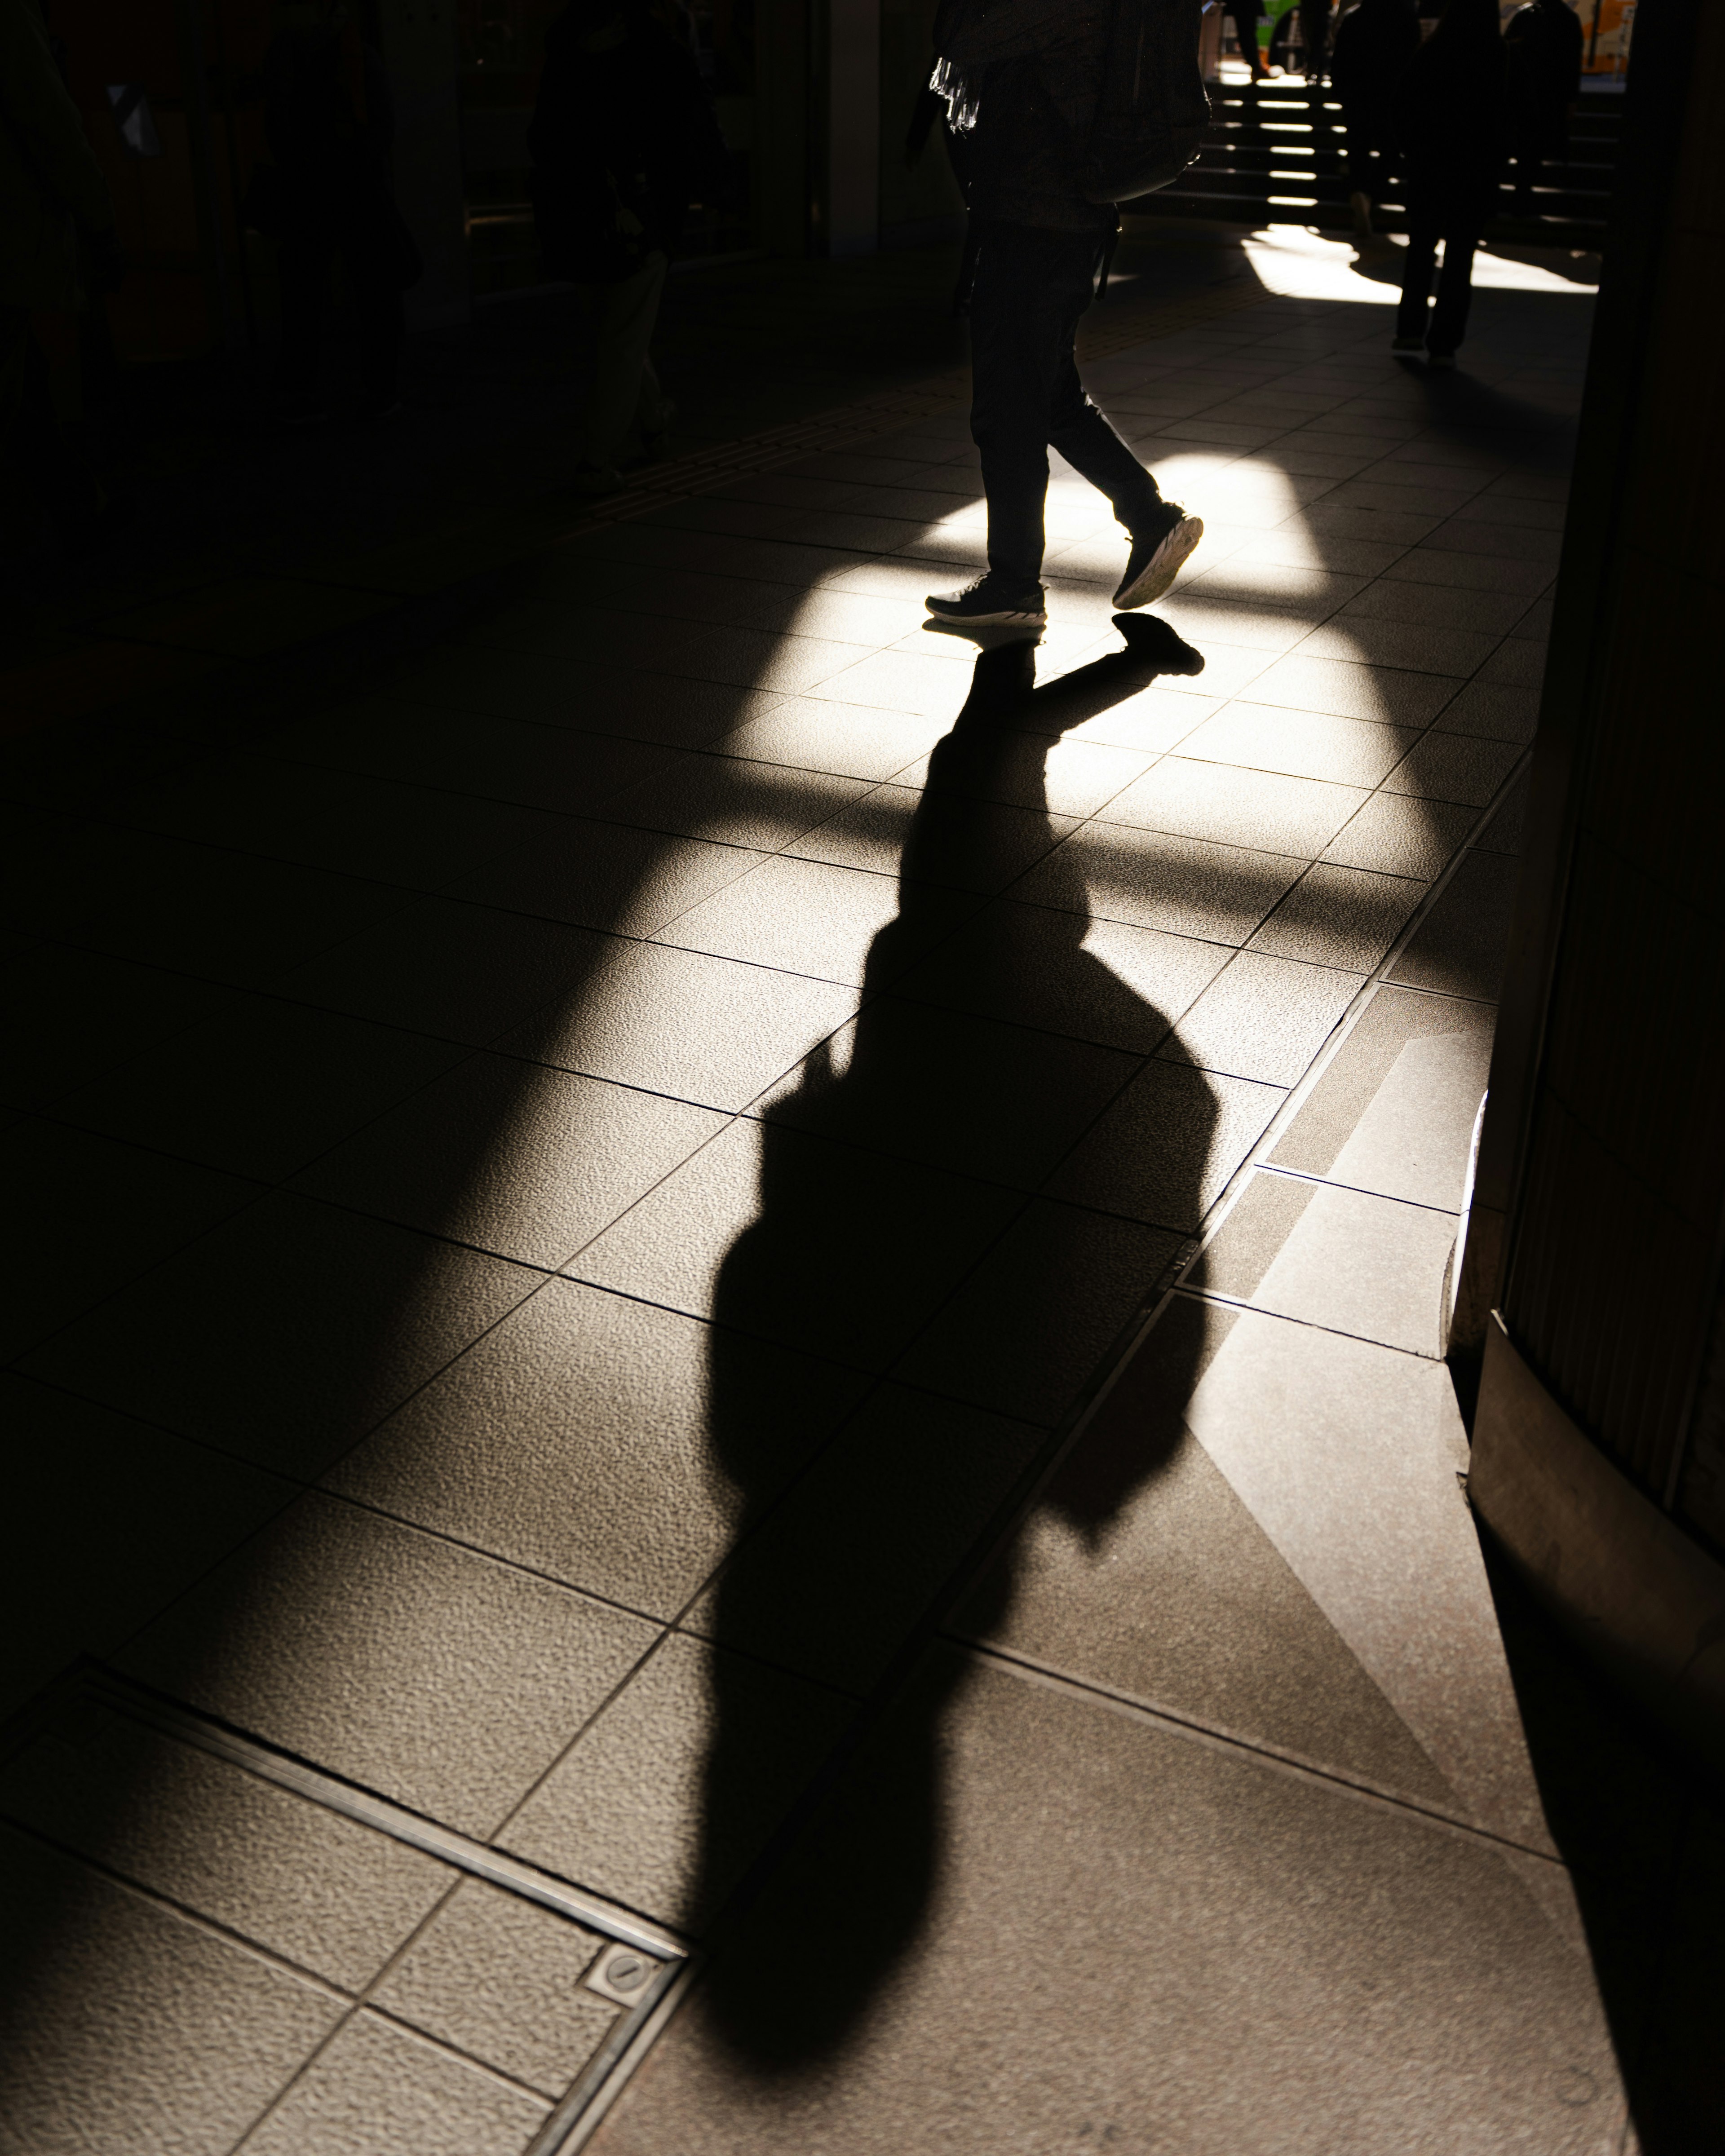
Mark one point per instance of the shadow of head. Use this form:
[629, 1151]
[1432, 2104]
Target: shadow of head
[950, 1236]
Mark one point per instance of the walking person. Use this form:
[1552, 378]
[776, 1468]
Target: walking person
[1451, 115]
[1375, 42]
[1023, 84]
[330, 123]
[1545, 43]
[622, 135]
[1245, 15]
[1315, 38]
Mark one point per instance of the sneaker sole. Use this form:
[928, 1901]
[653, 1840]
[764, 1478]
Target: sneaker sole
[1163, 565]
[1015, 618]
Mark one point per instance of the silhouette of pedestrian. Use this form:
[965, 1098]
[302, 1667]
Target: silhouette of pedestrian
[1544, 42]
[1245, 15]
[329, 122]
[1375, 42]
[1315, 37]
[623, 138]
[1022, 84]
[1449, 114]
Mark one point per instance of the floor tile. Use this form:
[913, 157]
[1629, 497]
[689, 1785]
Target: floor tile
[1265, 1017]
[1165, 1150]
[98, 1214]
[1436, 606]
[233, 917]
[261, 1090]
[671, 1793]
[1035, 1319]
[1340, 916]
[536, 1445]
[267, 1865]
[1352, 690]
[1455, 767]
[379, 2088]
[1153, 879]
[837, 924]
[1028, 2001]
[1495, 710]
[1460, 945]
[152, 1512]
[963, 845]
[733, 801]
[1143, 1570]
[1423, 646]
[358, 825]
[833, 1582]
[792, 1237]
[498, 1976]
[458, 971]
[604, 875]
[1103, 981]
[424, 1671]
[1470, 571]
[1395, 1109]
[512, 1157]
[76, 1013]
[1300, 744]
[856, 741]
[1258, 810]
[932, 687]
[139, 2028]
[284, 1335]
[1370, 1267]
[1402, 834]
[707, 1030]
[966, 1093]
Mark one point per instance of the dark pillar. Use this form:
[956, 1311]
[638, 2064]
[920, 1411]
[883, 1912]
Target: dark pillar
[1595, 1231]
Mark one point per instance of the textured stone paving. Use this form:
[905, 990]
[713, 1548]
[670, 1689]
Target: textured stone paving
[683, 1201]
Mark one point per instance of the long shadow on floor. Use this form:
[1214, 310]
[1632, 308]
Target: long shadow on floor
[841, 1579]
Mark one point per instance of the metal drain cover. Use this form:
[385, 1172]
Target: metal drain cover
[216, 1928]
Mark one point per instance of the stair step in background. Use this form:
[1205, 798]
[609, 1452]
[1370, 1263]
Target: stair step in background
[1276, 153]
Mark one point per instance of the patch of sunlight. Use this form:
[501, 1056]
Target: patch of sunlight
[1297, 262]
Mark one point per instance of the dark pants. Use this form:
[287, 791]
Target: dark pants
[1031, 287]
[1244, 15]
[1448, 322]
[1315, 34]
[379, 310]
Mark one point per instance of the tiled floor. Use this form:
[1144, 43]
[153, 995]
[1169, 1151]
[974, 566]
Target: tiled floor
[573, 1183]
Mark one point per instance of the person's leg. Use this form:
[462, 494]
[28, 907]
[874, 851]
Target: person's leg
[1314, 35]
[1244, 15]
[1021, 304]
[1454, 292]
[1417, 265]
[1085, 438]
[624, 315]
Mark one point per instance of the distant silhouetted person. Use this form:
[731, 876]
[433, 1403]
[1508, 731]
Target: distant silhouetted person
[1544, 41]
[623, 138]
[1245, 15]
[1374, 44]
[1022, 83]
[1449, 114]
[330, 123]
[1315, 37]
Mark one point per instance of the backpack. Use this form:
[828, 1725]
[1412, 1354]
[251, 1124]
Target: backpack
[1151, 118]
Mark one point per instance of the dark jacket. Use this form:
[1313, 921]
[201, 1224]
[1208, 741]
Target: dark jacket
[622, 141]
[1374, 45]
[1450, 118]
[1545, 42]
[1022, 80]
